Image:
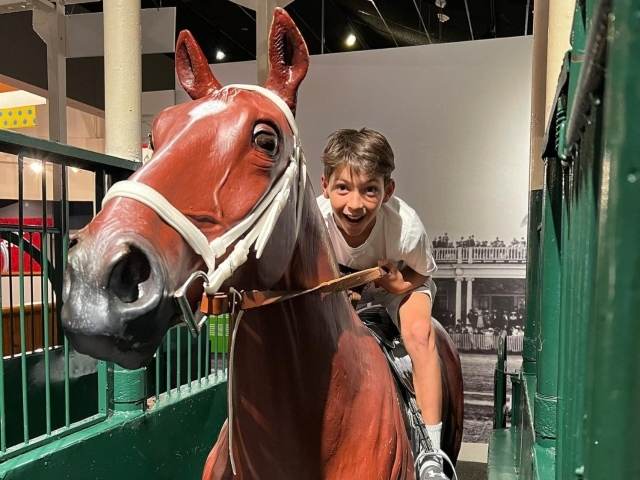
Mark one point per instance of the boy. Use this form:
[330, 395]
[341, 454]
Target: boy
[368, 226]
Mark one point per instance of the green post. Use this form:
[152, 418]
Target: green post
[613, 386]
[571, 272]
[547, 341]
[500, 384]
[129, 389]
[565, 323]
[529, 349]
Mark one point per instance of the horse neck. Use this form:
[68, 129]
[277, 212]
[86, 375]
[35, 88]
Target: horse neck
[309, 326]
[313, 262]
[284, 358]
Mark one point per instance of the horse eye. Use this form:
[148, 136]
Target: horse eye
[265, 139]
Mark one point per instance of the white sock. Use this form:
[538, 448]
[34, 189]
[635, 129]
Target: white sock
[434, 432]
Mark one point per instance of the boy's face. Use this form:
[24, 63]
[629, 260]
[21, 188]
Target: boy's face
[355, 200]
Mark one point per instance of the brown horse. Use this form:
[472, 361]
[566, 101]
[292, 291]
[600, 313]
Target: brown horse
[310, 391]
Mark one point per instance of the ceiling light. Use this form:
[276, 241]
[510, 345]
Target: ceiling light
[220, 55]
[36, 167]
[442, 17]
[350, 41]
[441, 3]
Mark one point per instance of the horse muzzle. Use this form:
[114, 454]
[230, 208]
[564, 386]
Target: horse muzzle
[115, 303]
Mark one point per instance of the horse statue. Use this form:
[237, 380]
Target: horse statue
[310, 392]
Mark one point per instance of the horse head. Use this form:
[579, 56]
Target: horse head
[226, 160]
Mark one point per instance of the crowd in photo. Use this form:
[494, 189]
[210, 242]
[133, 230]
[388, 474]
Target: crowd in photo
[485, 322]
[443, 241]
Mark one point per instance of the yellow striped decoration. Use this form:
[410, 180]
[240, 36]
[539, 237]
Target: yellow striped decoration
[18, 117]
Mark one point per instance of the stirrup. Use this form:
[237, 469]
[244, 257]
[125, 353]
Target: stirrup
[436, 452]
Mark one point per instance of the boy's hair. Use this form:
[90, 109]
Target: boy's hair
[365, 151]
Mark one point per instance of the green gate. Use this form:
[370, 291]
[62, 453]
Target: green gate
[63, 414]
[575, 400]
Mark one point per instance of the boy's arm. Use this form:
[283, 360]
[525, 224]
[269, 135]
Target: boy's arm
[399, 281]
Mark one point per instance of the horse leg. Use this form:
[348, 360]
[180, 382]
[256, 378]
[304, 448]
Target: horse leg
[218, 466]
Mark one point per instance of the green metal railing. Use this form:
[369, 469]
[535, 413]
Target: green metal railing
[48, 391]
[584, 289]
[183, 363]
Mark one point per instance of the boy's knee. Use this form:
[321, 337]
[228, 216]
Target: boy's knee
[415, 320]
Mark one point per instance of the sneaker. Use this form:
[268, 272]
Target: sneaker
[429, 466]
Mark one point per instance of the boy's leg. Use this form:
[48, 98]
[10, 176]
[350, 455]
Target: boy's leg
[419, 340]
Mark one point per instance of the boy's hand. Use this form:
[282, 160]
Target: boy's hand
[398, 281]
[393, 281]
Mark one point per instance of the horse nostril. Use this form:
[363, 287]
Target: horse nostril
[128, 273]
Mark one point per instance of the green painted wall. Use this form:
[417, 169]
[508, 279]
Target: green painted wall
[168, 442]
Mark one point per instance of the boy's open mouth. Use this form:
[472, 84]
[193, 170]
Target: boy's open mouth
[353, 220]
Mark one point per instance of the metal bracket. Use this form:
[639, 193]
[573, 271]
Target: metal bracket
[193, 320]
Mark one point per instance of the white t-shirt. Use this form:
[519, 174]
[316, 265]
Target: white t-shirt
[398, 235]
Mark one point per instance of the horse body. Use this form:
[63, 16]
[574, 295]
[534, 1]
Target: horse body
[310, 393]
[322, 381]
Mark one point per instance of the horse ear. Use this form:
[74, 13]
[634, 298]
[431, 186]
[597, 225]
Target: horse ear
[192, 67]
[288, 58]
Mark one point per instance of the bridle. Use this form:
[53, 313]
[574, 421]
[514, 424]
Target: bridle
[253, 231]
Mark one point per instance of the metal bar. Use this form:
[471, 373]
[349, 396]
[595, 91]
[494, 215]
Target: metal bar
[168, 346]
[424, 27]
[31, 147]
[55, 334]
[44, 279]
[199, 360]
[158, 373]
[64, 227]
[178, 355]
[466, 6]
[215, 340]
[23, 346]
[189, 349]
[207, 367]
[591, 73]
[3, 418]
[33, 323]
[11, 328]
[105, 381]
[322, 27]
[385, 22]
[226, 332]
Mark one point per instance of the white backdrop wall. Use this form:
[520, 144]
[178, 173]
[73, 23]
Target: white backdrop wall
[456, 115]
